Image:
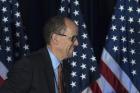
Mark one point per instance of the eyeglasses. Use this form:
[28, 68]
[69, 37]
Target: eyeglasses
[73, 38]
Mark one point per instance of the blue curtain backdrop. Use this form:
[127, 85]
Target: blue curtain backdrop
[96, 13]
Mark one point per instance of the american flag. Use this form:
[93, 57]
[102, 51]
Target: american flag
[83, 64]
[13, 40]
[120, 61]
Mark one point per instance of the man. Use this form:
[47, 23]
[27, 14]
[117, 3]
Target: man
[38, 72]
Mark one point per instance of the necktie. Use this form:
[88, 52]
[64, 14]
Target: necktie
[60, 82]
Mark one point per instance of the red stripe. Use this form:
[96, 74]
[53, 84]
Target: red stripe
[111, 78]
[1, 81]
[95, 88]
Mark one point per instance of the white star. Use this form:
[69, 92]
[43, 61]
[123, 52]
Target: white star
[84, 45]
[76, 3]
[74, 53]
[17, 4]
[132, 51]
[134, 72]
[8, 49]
[84, 35]
[121, 7]
[4, 9]
[73, 64]
[7, 39]
[26, 47]
[83, 76]
[84, 26]
[3, 1]
[123, 29]
[130, 9]
[76, 12]
[83, 66]
[5, 19]
[123, 39]
[124, 49]
[132, 41]
[73, 84]
[25, 37]
[131, 19]
[9, 59]
[131, 30]
[122, 18]
[17, 24]
[62, 9]
[0, 47]
[114, 38]
[113, 17]
[138, 10]
[93, 69]
[93, 58]
[113, 27]
[115, 48]
[124, 60]
[17, 34]
[83, 56]
[6, 29]
[133, 62]
[73, 74]
[17, 14]
[76, 22]
[139, 20]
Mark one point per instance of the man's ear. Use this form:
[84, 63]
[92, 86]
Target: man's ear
[55, 39]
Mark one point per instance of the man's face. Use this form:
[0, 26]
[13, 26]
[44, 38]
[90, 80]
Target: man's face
[68, 40]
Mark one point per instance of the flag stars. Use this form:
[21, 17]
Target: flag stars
[115, 48]
[124, 49]
[17, 4]
[73, 84]
[114, 38]
[121, 7]
[3, 1]
[76, 22]
[62, 9]
[124, 60]
[74, 53]
[123, 29]
[84, 45]
[17, 34]
[17, 24]
[93, 69]
[93, 58]
[9, 59]
[131, 19]
[6, 29]
[138, 10]
[26, 47]
[83, 76]
[123, 39]
[134, 72]
[133, 62]
[73, 74]
[113, 17]
[122, 18]
[130, 9]
[4, 9]
[73, 64]
[131, 30]
[132, 51]
[84, 26]
[83, 56]
[8, 49]
[76, 12]
[7, 39]
[113, 27]
[5, 19]
[76, 3]
[139, 20]
[17, 14]
[132, 41]
[84, 36]
[83, 66]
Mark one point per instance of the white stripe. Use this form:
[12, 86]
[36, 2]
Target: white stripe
[87, 90]
[3, 71]
[104, 85]
[119, 73]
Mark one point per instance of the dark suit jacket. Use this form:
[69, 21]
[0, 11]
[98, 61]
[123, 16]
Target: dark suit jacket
[32, 74]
